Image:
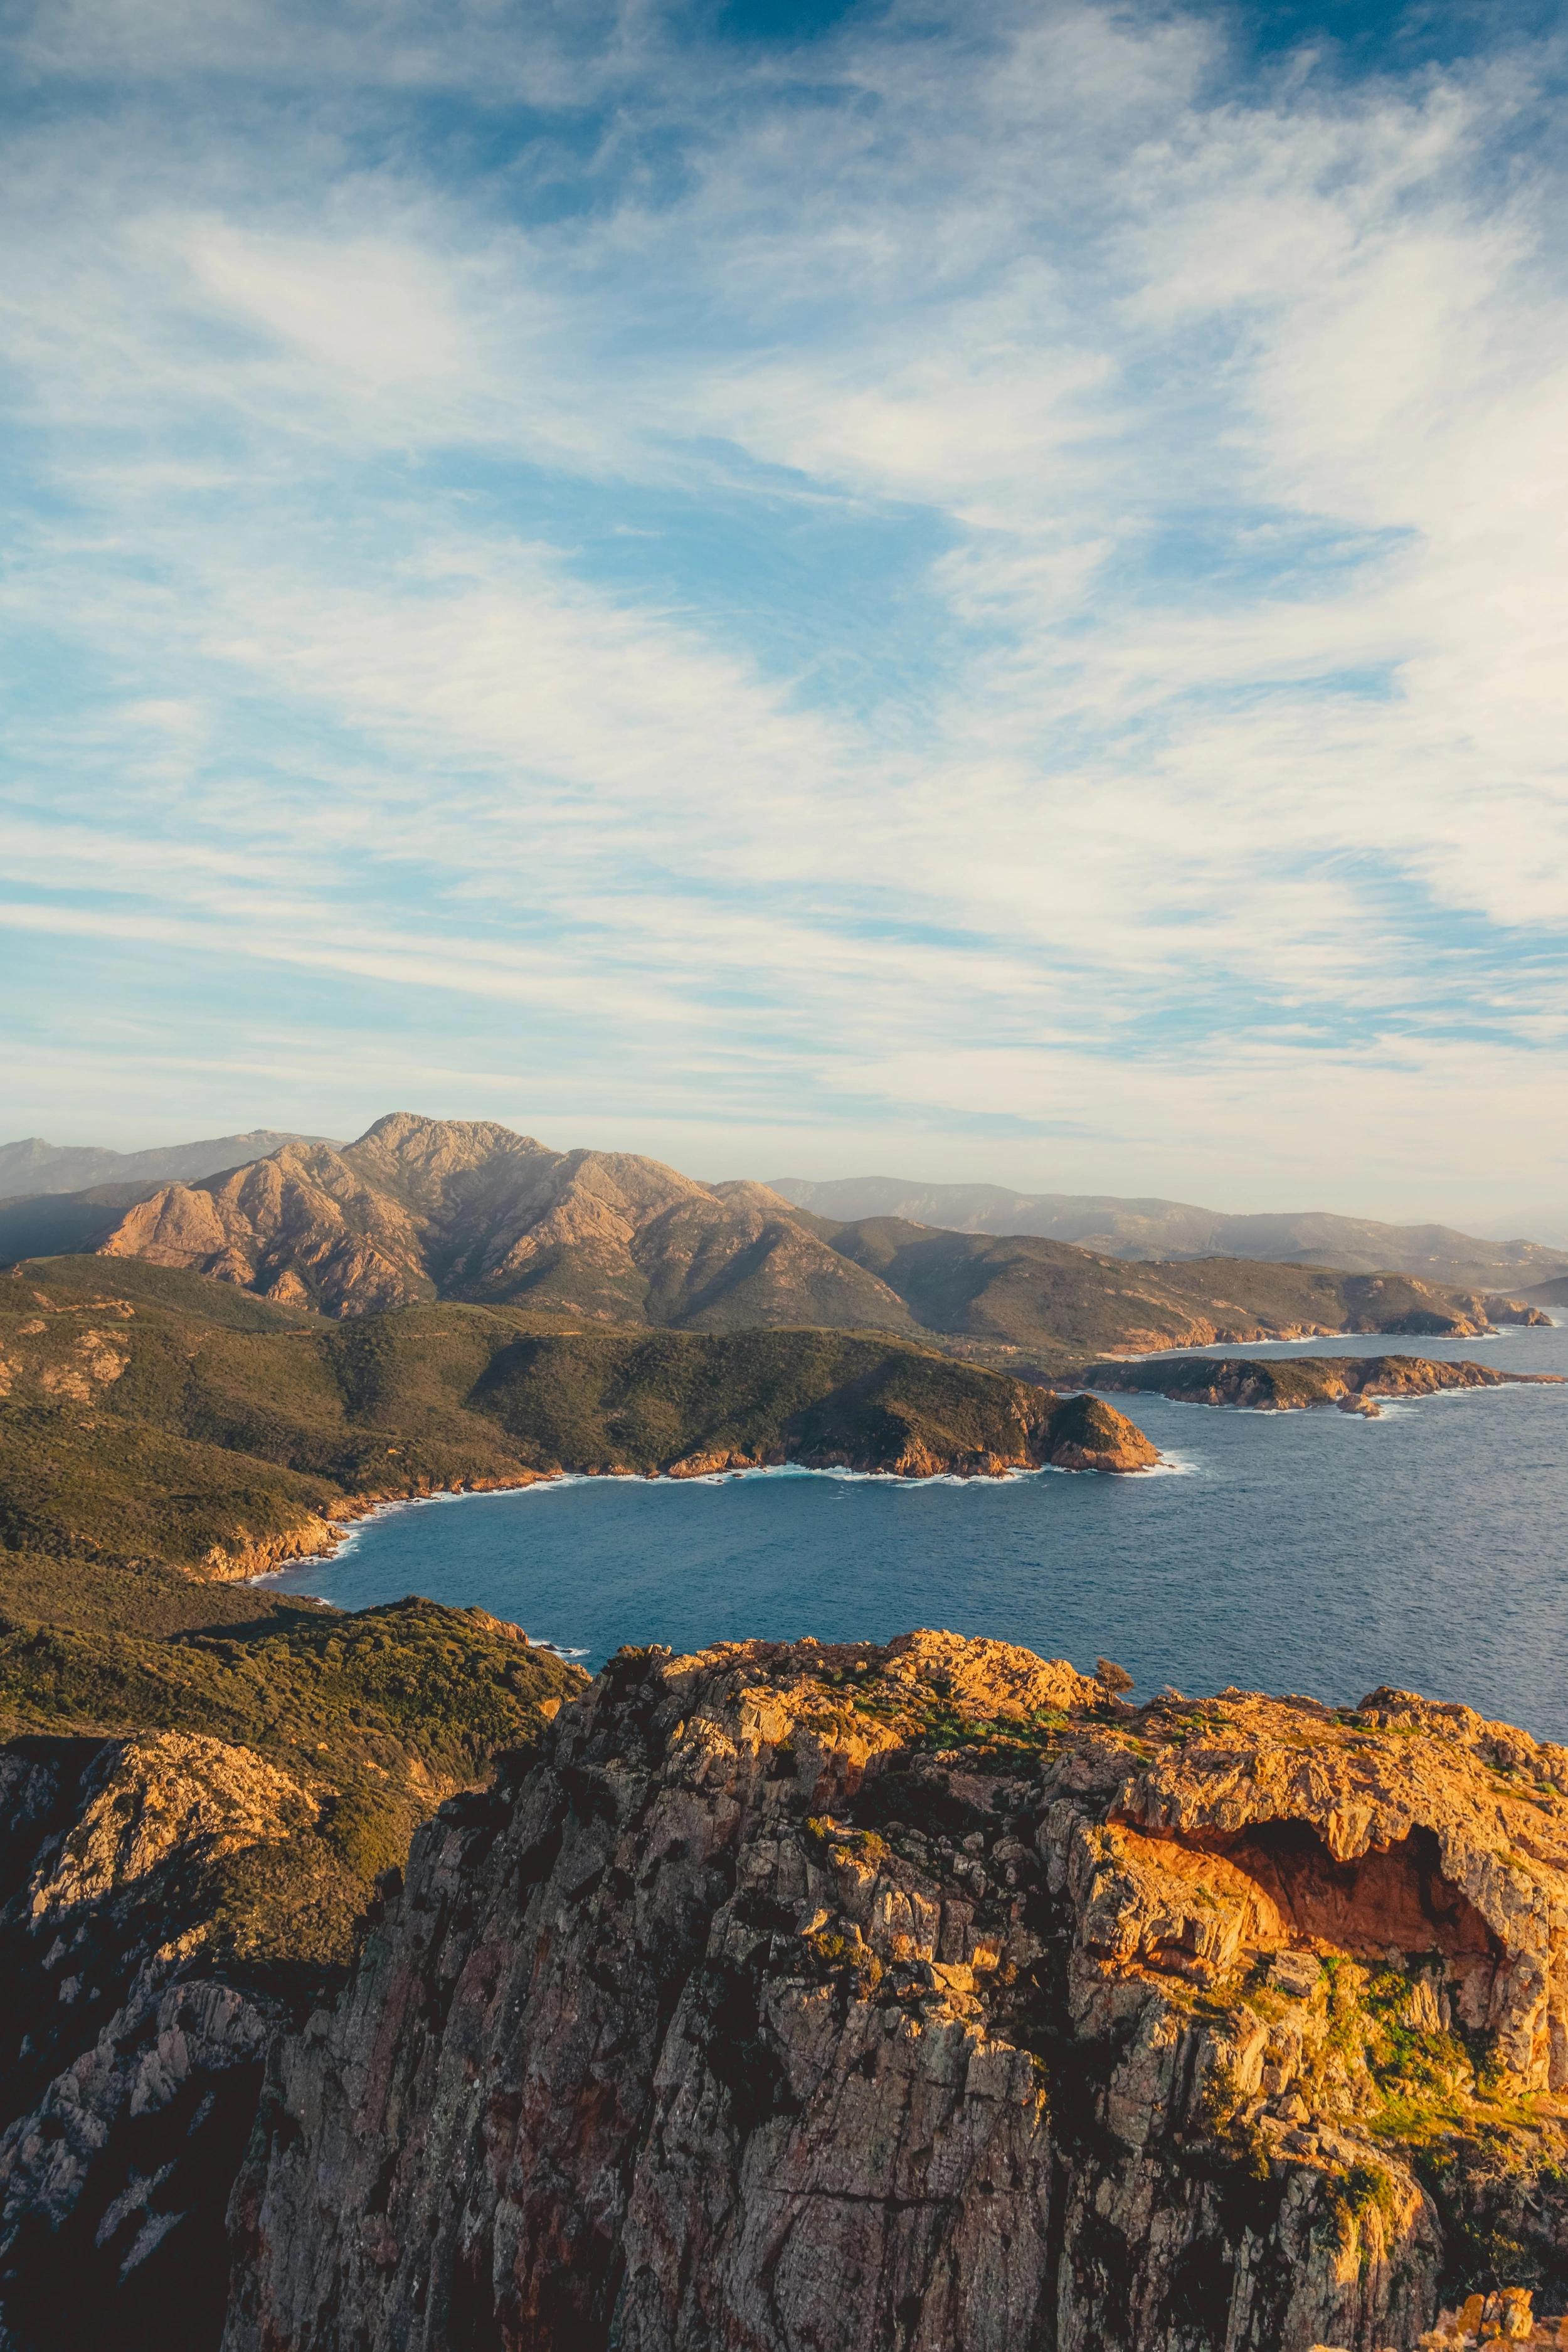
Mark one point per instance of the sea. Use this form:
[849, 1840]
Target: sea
[1314, 1552]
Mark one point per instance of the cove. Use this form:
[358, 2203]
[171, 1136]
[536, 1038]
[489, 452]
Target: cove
[1305, 1552]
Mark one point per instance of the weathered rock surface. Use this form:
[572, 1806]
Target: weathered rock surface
[130, 2060]
[1281, 1385]
[419, 1208]
[932, 1997]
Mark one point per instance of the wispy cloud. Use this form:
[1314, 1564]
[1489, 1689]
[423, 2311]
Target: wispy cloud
[975, 593]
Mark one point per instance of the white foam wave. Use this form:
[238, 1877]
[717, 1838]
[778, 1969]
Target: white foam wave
[1172, 1465]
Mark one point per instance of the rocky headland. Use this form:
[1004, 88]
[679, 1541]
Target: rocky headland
[932, 1996]
[162, 1416]
[1353, 1383]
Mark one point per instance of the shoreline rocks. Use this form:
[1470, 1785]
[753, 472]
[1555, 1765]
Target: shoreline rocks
[1276, 1385]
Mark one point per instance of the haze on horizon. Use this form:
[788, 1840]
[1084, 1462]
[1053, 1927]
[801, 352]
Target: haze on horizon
[966, 593]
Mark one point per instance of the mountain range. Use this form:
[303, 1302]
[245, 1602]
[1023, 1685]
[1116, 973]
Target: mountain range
[33, 1166]
[417, 1210]
[56, 1197]
[1153, 1228]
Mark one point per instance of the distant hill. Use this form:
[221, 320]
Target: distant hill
[1020, 1292]
[42, 1224]
[1156, 1229]
[418, 1210]
[33, 1166]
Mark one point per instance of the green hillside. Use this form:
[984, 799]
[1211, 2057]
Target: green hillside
[162, 1415]
[1049, 1299]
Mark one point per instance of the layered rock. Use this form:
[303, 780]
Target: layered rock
[932, 1997]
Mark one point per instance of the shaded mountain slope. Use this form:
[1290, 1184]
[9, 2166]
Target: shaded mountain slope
[49, 1224]
[194, 1826]
[1157, 1229]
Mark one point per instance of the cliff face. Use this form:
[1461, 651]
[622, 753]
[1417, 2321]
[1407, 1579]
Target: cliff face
[131, 2056]
[929, 1996]
[171, 1899]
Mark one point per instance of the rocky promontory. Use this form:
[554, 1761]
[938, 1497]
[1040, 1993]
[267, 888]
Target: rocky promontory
[172, 1418]
[932, 1998]
[1289, 1384]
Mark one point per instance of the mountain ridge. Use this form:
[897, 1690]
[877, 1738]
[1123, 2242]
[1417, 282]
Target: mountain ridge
[415, 1209]
[31, 1166]
[418, 1208]
[1139, 1227]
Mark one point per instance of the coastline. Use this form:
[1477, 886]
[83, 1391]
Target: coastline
[369, 1507]
[313, 1546]
[1306, 1338]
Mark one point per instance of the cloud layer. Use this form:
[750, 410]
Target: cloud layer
[979, 595]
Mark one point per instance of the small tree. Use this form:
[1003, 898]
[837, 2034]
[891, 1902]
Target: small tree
[1112, 1677]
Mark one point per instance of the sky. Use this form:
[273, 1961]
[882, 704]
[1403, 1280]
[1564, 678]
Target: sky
[973, 591]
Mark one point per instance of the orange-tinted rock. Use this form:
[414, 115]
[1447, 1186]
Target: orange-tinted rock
[926, 1997]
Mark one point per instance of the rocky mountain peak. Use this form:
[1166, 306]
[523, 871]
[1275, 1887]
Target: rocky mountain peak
[441, 1143]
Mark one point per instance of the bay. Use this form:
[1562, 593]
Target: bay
[1303, 1551]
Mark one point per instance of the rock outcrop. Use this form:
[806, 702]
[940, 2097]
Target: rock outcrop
[931, 1996]
[131, 2056]
[1276, 1384]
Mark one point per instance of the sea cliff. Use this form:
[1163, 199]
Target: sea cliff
[931, 1996]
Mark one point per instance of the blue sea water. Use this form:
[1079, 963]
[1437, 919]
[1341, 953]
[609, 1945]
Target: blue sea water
[1301, 1551]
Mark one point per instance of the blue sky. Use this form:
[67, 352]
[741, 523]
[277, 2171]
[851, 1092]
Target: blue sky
[974, 591]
